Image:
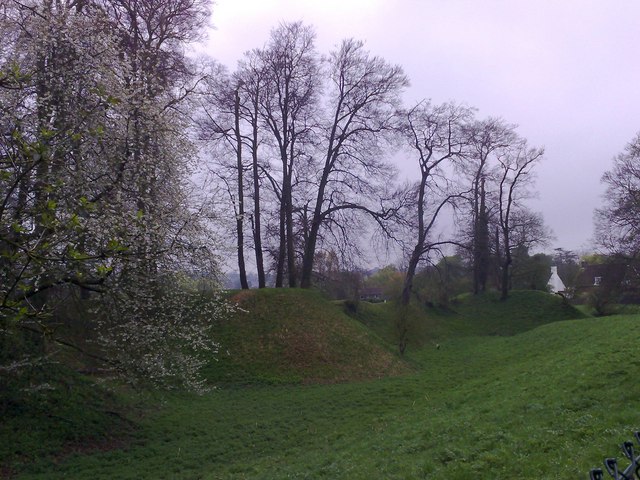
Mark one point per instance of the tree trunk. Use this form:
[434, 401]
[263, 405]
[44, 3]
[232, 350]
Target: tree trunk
[407, 286]
[405, 298]
[497, 266]
[310, 245]
[506, 265]
[309, 251]
[257, 233]
[291, 258]
[481, 242]
[240, 214]
[282, 247]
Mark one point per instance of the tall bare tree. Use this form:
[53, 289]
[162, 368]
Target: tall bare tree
[327, 129]
[486, 138]
[288, 104]
[617, 222]
[251, 78]
[516, 169]
[220, 128]
[364, 99]
[437, 136]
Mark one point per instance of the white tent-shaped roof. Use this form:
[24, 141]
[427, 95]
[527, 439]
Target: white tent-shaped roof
[555, 283]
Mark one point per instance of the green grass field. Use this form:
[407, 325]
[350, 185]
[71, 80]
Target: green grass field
[499, 391]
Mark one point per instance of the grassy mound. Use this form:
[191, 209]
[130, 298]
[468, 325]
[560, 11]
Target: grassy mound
[547, 403]
[296, 336]
[512, 391]
[468, 315]
[522, 311]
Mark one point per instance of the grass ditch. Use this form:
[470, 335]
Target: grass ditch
[544, 398]
[547, 403]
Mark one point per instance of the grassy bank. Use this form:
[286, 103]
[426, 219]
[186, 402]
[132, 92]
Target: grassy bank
[538, 399]
[296, 336]
[55, 413]
[467, 315]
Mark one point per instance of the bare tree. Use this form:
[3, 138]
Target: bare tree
[330, 164]
[363, 98]
[436, 135]
[220, 128]
[291, 68]
[516, 168]
[486, 138]
[251, 78]
[528, 229]
[617, 222]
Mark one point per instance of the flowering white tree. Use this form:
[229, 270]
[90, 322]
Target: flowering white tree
[94, 157]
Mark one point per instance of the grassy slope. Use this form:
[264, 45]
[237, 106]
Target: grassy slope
[469, 315]
[296, 336]
[548, 403]
[70, 413]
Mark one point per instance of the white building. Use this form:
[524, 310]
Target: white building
[555, 283]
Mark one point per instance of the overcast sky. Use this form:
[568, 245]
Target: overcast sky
[566, 71]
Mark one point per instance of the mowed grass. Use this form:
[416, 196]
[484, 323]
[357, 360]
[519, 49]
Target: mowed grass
[548, 403]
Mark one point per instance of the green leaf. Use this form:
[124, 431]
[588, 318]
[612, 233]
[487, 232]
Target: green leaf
[104, 269]
[75, 254]
[115, 246]
[111, 100]
[47, 134]
[74, 221]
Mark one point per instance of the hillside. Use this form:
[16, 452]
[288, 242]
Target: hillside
[58, 412]
[468, 315]
[296, 336]
[284, 336]
[506, 377]
[551, 402]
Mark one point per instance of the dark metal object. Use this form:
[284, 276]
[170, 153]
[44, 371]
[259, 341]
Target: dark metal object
[631, 472]
[611, 464]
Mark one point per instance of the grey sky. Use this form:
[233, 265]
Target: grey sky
[566, 71]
